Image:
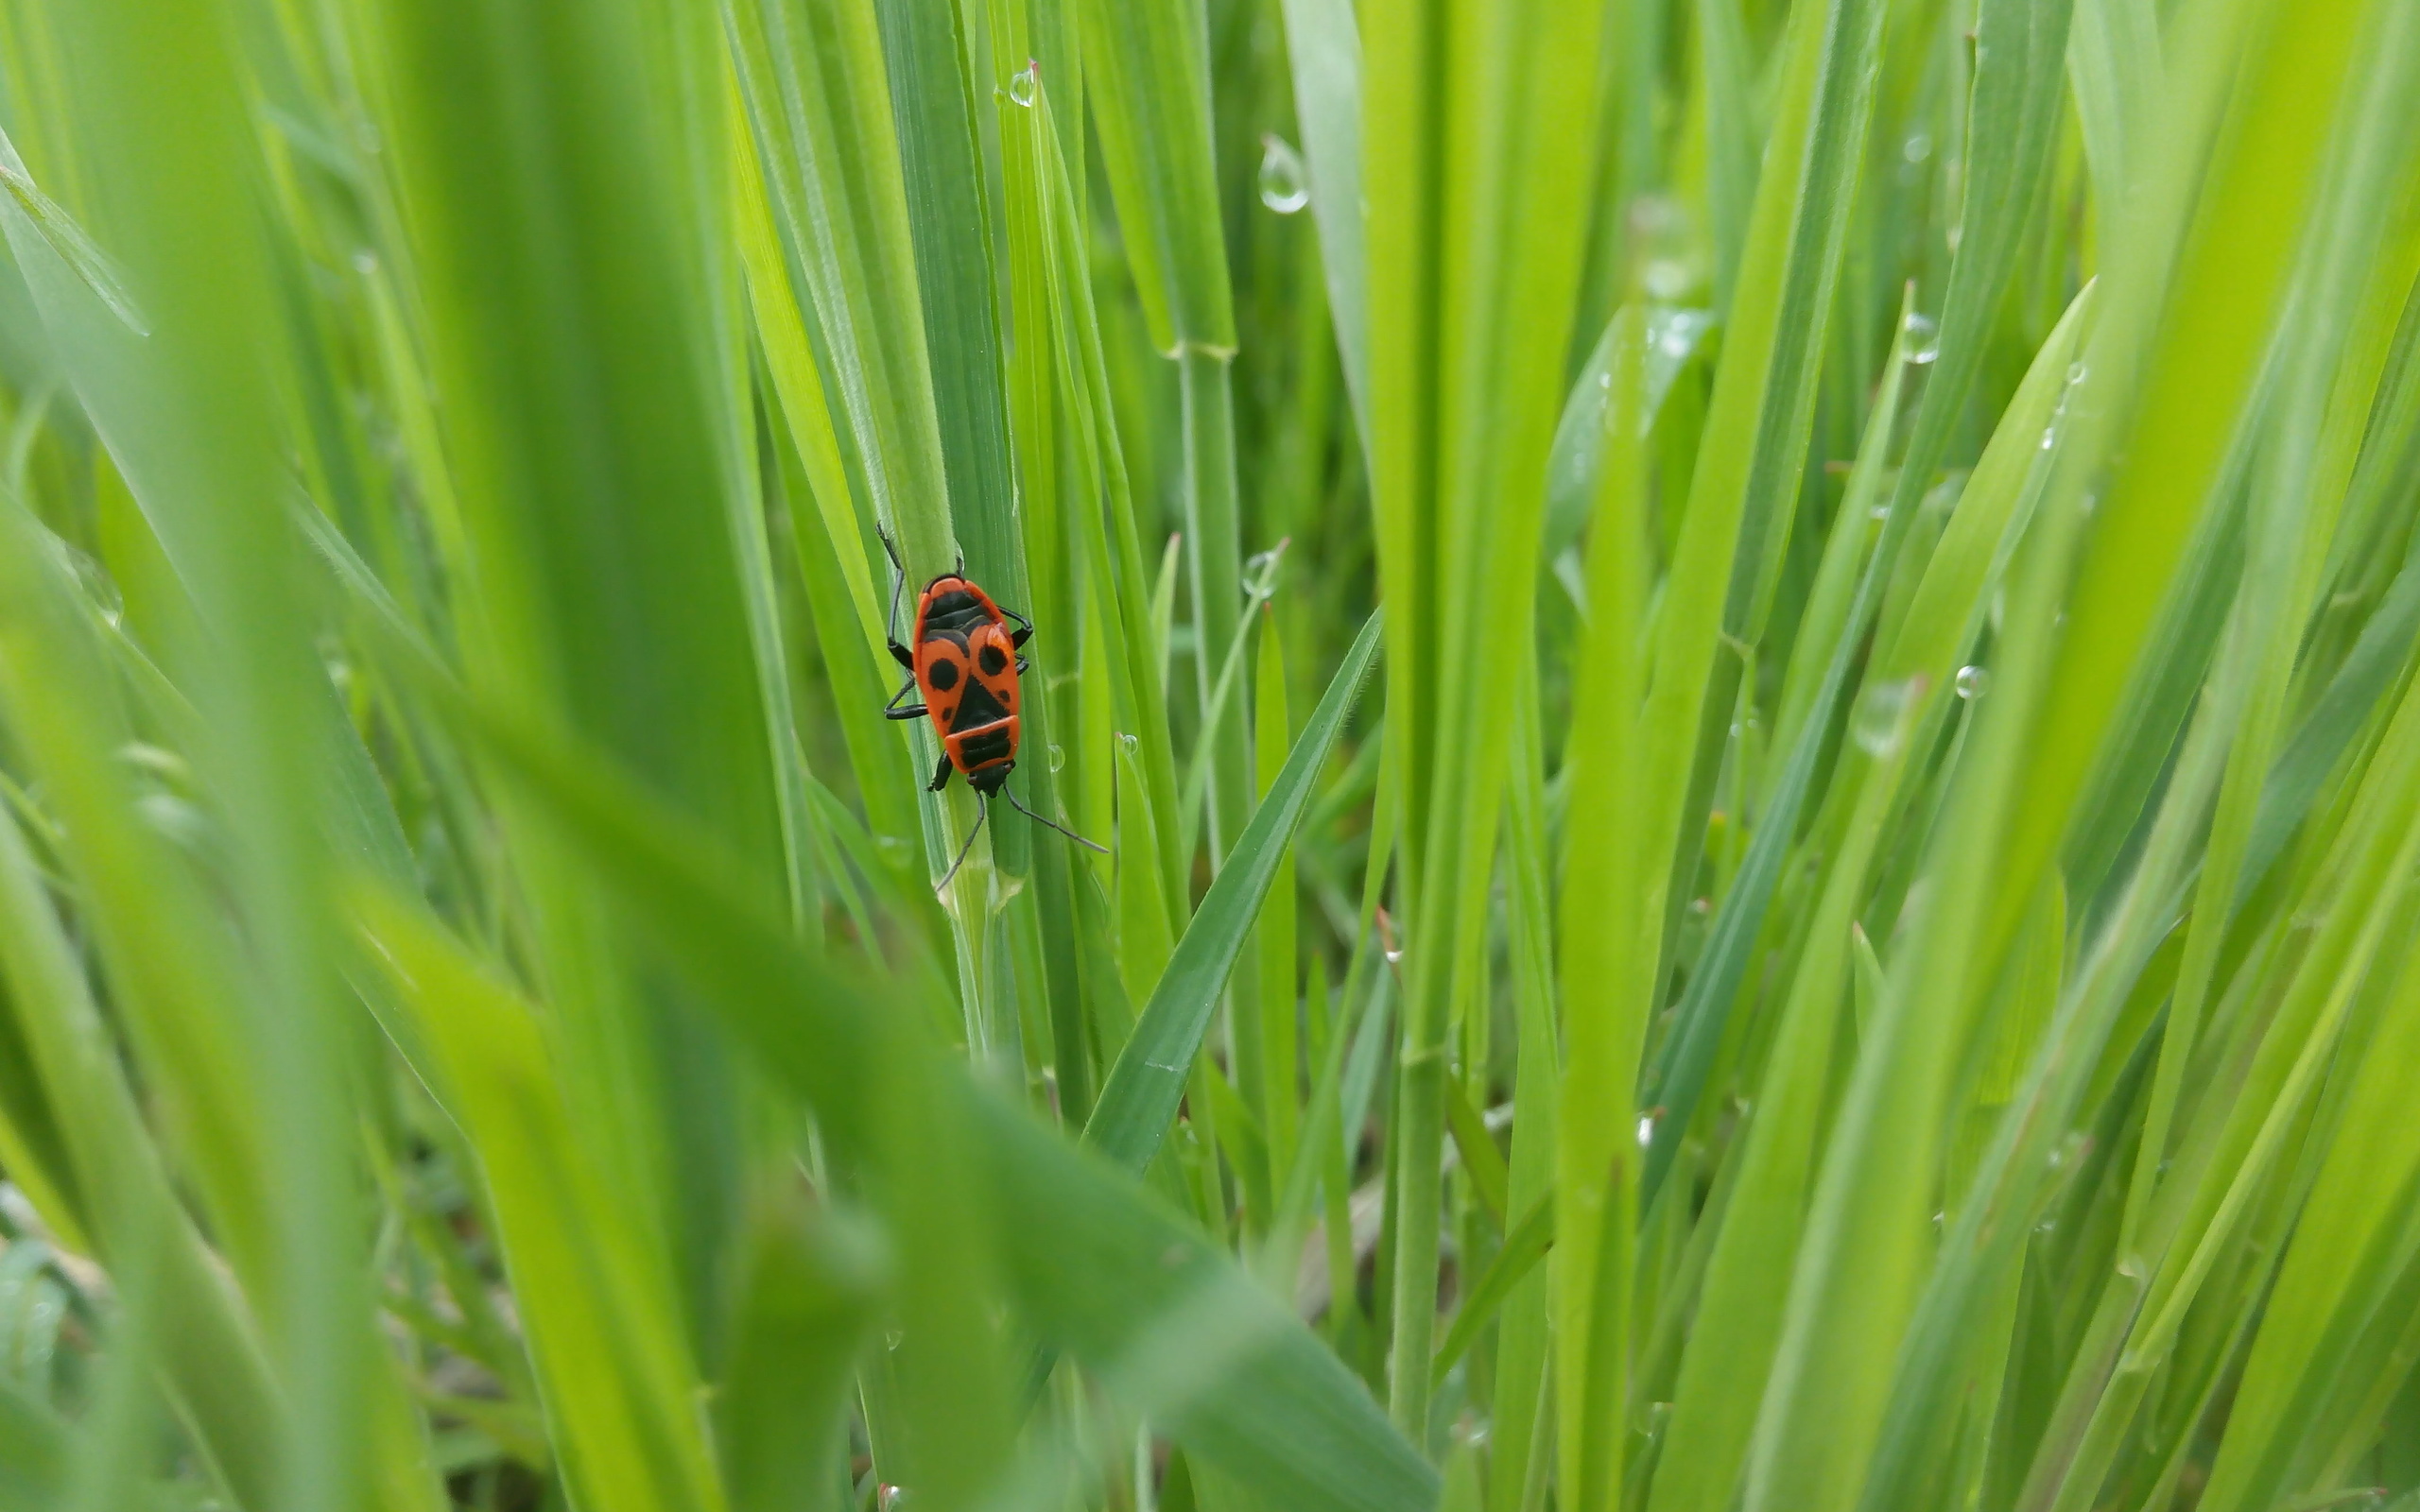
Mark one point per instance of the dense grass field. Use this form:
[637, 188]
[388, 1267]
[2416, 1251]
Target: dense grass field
[1746, 667]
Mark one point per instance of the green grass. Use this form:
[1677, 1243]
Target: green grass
[1747, 664]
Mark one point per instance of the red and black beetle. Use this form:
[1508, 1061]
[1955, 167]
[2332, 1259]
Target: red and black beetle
[965, 662]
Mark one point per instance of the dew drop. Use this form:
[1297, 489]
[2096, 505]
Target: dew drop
[1973, 682]
[1924, 338]
[2049, 437]
[1283, 184]
[99, 586]
[1645, 1129]
[2131, 1267]
[1128, 743]
[1917, 148]
[1605, 380]
[893, 1497]
[1058, 756]
[1881, 711]
[1668, 278]
[1394, 957]
[365, 262]
[891, 1340]
[1878, 513]
[2077, 372]
[1024, 83]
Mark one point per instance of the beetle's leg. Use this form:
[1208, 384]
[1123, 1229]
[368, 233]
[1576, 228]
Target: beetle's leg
[982, 812]
[890, 627]
[941, 776]
[892, 710]
[1023, 631]
[1024, 664]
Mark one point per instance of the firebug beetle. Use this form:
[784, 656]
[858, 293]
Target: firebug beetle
[964, 660]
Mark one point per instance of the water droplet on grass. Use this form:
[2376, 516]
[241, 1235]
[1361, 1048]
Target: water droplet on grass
[1880, 711]
[1973, 682]
[1024, 83]
[1917, 148]
[1284, 186]
[1924, 338]
[1058, 756]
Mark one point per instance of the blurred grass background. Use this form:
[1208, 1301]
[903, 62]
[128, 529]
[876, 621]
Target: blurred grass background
[1748, 664]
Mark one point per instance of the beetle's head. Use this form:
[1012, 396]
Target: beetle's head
[989, 780]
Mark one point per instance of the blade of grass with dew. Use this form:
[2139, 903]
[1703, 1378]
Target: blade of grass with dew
[1141, 1091]
[1600, 966]
[1273, 936]
[1324, 48]
[1113, 550]
[782, 335]
[857, 674]
[1523, 1364]
[2114, 61]
[1148, 80]
[1144, 938]
[1673, 338]
[1730, 137]
[819, 103]
[1047, 505]
[949, 229]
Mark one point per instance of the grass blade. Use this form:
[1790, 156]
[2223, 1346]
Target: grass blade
[1140, 1094]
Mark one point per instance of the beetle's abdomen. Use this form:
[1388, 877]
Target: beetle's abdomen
[971, 750]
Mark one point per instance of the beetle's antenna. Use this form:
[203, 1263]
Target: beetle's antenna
[982, 812]
[1061, 828]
